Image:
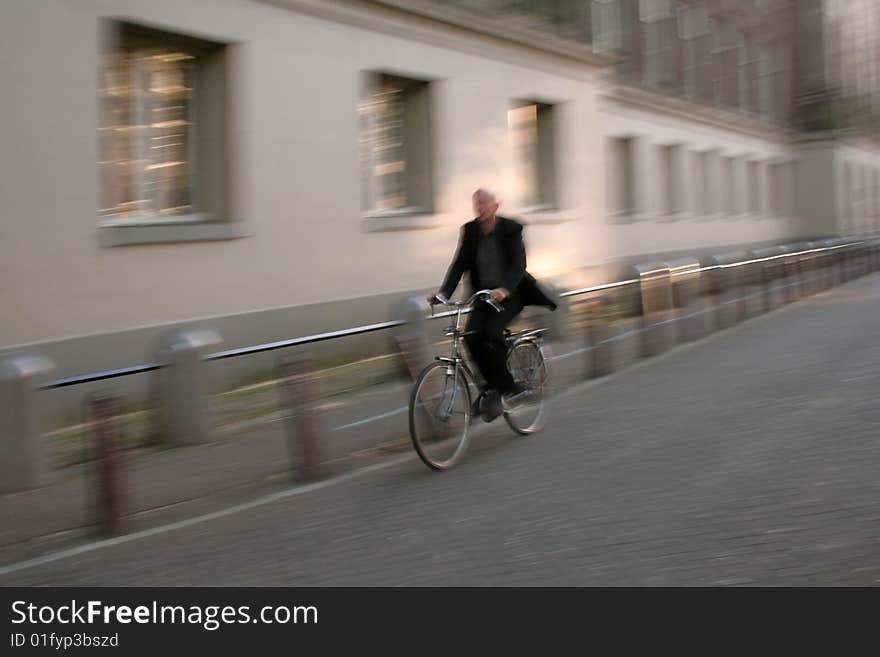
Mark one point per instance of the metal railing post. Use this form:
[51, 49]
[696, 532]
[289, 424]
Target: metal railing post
[105, 408]
[299, 399]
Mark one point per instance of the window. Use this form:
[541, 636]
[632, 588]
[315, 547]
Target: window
[654, 10]
[696, 52]
[693, 21]
[774, 85]
[658, 28]
[569, 19]
[729, 183]
[621, 176]
[162, 130]
[876, 196]
[396, 148]
[700, 182]
[847, 200]
[859, 196]
[607, 21]
[749, 77]
[754, 182]
[781, 189]
[707, 174]
[532, 133]
[670, 176]
[727, 54]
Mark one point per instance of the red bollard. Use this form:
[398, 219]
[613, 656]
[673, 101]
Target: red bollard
[412, 349]
[108, 502]
[299, 400]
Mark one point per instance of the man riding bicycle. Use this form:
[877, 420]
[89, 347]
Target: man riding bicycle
[491, 249]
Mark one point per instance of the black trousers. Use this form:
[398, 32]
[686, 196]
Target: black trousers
[485, 341]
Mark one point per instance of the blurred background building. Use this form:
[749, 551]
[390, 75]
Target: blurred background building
[276, 167]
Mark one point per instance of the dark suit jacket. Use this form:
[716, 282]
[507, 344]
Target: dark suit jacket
[513, 253]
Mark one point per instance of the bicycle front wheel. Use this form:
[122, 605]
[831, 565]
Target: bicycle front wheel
[527, 366]
[440, 415]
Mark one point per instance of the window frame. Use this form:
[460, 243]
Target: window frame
[424, 206]
[209, 194]
[543, 169]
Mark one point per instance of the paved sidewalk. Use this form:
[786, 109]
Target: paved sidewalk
[747, 458]
[249, 458]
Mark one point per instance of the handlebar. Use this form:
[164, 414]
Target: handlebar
[476, 295]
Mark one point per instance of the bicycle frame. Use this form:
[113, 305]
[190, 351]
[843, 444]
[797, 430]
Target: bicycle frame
[455, 361]
[453, 370]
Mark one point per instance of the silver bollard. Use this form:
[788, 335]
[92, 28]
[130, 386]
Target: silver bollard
[22, 457]
[694, 320]
[826, 265]
[655, 288]
[875, 253]
[558, 321]
[752, 280]
[835, 263]
[727, 287]
[810, 269]
[182, 388]
[411, 339]
[790, 279]
[771, 276]
[601, 362]
[864, 258]
[800, 267]
[615, 345]
[848, 263]
[858, 258]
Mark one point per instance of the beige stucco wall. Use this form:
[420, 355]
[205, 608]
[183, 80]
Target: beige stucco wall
[857, 192]
[310, 261]
[295, 169]
[649, 230]
[294, 78]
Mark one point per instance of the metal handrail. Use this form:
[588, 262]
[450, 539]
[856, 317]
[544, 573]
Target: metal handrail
[219, 355]
[599, 288]
[768, 258]
[100, 376]
[381, 326]
[307, 339]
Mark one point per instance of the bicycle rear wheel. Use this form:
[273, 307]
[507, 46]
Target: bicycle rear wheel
[439, 415]
[529, 369]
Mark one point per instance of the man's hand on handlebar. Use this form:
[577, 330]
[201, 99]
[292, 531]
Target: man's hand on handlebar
[492, 297]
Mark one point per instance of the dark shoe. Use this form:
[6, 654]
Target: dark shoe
[489, 405]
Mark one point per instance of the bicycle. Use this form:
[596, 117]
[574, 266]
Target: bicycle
[442, 394]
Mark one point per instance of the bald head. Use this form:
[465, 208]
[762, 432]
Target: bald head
[485, 205]
[485, 192]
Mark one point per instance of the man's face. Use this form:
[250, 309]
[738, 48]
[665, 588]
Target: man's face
[484, 206]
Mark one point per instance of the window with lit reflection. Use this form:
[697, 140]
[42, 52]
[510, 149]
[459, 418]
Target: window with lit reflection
[622, 177]
[395, 145]
[148, 132]
[754, 183]
[532, 134]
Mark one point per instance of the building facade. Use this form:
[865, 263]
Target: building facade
[276, 167]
